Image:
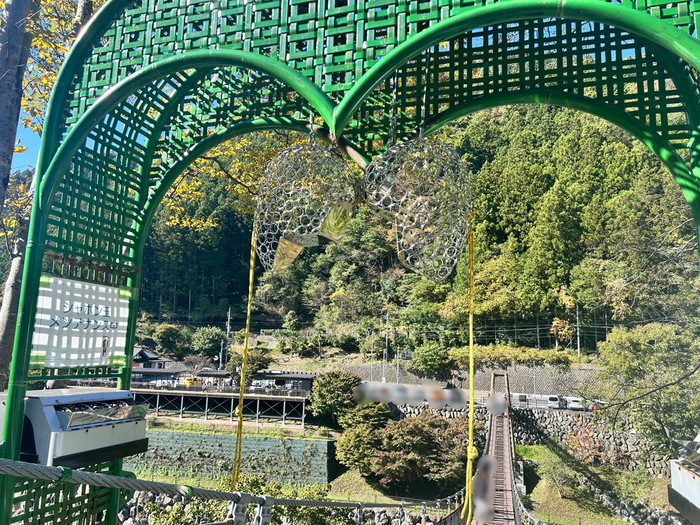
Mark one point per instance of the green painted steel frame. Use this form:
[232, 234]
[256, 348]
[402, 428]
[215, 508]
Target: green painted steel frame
[342, 82]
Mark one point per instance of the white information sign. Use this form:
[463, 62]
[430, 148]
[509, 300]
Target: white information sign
[79, 324]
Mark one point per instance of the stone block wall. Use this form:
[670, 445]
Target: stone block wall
[582, 436]
[576, 431]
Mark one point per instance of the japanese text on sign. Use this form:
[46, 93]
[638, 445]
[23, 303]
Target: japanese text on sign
[79, 324]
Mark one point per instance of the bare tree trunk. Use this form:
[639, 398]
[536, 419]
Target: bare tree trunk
[15, 44]
[10, 300]
[14, 51]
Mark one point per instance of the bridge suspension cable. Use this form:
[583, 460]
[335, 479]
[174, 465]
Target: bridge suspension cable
[22, 469]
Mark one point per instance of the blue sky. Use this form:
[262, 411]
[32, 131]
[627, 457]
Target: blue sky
[31, 140]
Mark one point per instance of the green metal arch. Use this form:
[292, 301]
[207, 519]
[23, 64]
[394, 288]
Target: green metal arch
[193, 59]
[637, 23]
[61, 160]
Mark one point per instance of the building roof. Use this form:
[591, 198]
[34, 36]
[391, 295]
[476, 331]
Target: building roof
[144, 355]
[213, 373]
[279, 374]
[155, 372]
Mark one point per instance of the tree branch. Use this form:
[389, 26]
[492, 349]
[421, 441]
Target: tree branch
[621, 404]
[7, 238]
[217, 161]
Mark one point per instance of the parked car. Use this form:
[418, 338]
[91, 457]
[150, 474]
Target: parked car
[576, 403]
[556, 402]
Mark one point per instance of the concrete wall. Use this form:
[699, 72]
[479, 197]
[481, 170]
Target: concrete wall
[211, 456]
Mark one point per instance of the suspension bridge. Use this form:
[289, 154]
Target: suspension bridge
[507, 505]
[149, 86]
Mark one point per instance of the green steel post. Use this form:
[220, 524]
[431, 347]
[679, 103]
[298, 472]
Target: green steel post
[19, 370]
[114, 495]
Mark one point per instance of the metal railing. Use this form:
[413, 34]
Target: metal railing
[522, 516]
[279, 392]
[239, 500]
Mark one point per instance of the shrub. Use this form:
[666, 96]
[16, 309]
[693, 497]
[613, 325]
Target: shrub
[333, 394]
[430, 359]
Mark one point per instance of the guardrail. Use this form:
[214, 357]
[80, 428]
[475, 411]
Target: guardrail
[522, 516]
[280, 392]
[240, 499]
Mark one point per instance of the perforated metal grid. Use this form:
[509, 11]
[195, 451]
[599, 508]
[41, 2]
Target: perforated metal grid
[424, 186]
[301, 187]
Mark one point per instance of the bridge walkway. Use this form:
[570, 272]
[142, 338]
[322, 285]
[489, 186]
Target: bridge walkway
[499, 447]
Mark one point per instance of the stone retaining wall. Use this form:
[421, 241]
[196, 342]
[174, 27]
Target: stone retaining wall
[576, 431]
[211, 455]
[588, 440]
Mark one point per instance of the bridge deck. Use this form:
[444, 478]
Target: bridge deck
[500, 448]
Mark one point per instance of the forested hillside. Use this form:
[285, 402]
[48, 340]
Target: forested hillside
[571, 212]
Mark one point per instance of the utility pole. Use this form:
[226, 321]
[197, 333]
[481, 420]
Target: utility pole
[578, 336]
[595, 328]
[371, 347]
[221, 356]
[386, 346]
[398, 371]
[228, 333]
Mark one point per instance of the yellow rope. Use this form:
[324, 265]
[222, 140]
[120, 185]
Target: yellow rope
[472, 453]
[238, 455]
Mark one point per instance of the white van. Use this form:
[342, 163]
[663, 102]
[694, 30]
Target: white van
[555, 402]
[575, 403]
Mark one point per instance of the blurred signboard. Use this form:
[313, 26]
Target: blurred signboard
[79, 324]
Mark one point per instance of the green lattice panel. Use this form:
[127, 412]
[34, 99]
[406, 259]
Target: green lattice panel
[95, 214]
[98, 204]
[332, 42]
[220, 99]
[580, 58]
[41, 502]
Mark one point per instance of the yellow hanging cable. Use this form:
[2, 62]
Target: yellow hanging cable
[238, 454]
[472, 452]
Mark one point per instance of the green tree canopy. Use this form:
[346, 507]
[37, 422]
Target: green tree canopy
[638, 362]
[373, 415]
[257, 360]
[416, 449]
[207, 340]
[333, 394]
[355, 447]
[173, 340]
[430, 359]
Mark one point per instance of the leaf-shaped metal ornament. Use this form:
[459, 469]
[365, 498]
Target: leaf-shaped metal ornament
[307, 191]
[425, 187]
